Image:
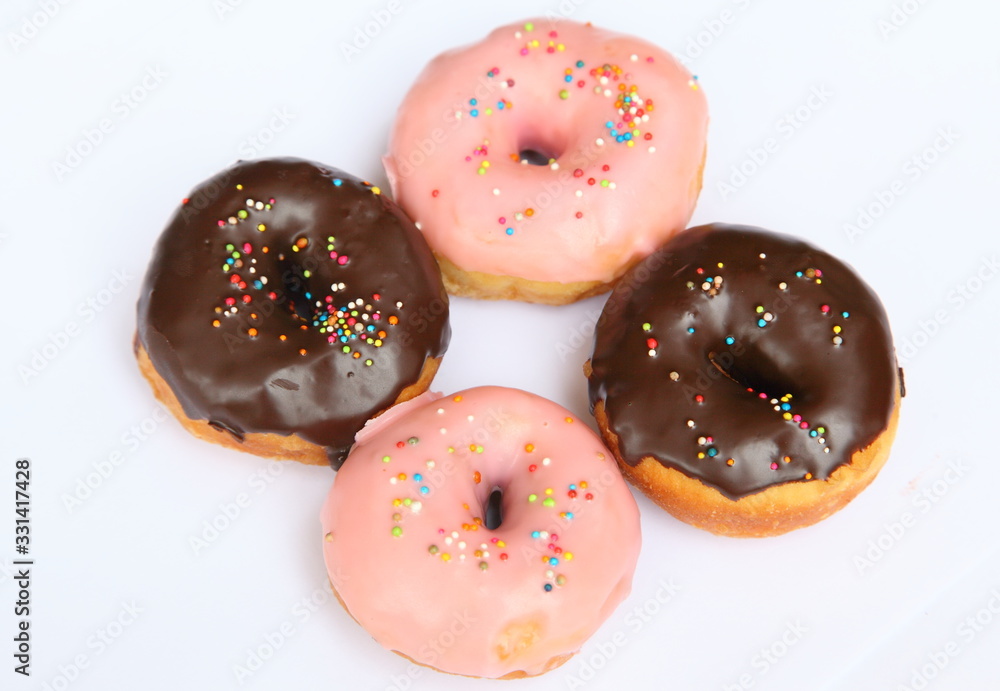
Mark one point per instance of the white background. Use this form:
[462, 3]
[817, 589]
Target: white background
[897, 74]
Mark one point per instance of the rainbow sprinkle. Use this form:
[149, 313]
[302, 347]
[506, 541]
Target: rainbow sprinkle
[346, 322]
[711, 281]
[625, 123]
[467, 542]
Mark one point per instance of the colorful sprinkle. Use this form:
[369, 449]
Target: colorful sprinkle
[345, 325]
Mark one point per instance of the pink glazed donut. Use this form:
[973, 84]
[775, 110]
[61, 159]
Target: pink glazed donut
[544, 161]
[487, 534]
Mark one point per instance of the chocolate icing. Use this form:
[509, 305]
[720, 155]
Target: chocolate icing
[672, 393]
[215, 334]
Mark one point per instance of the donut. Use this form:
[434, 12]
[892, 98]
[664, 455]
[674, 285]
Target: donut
[745, 380]
[543, 161]
[286, 303]
[488, 533]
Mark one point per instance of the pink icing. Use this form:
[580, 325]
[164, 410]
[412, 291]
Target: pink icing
[577, 230]
[407, 548]
[375, 425]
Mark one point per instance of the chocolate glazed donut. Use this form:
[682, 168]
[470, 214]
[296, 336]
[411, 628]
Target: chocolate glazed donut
[286, 303]
[747, 361]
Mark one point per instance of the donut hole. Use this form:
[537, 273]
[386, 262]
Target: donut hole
[535, 149]
[296, 286]
[755, 370]
[493, 511]
[534, 157]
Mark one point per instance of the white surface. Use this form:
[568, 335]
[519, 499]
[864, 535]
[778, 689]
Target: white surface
[224, 75]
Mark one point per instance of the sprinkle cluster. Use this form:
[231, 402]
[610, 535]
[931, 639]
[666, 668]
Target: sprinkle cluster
[706, 445]
[474, 107]
[550, 46]
[762, 316]
[569, 79]
[608, 80]
[837, 329]
[552, 556]
[481, 152]
[631, 107]
[346, 322]
[651, 342]
[465, 542]
[710, 282]
[816, 276]
[508, 222]
[624, 124]
[783, 406]
[811, 274]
